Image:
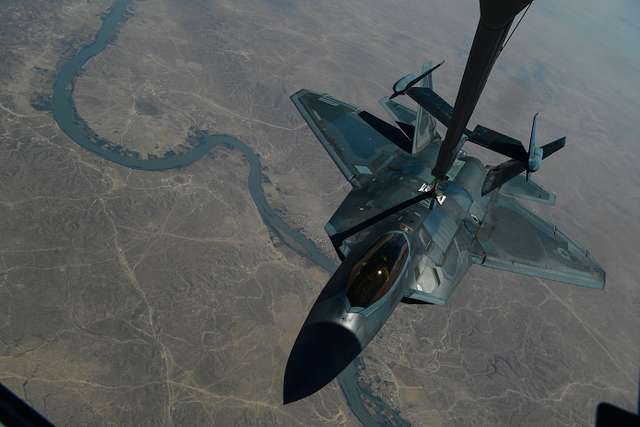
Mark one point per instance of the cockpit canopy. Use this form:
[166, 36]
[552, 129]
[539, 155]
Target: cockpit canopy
[372, 277]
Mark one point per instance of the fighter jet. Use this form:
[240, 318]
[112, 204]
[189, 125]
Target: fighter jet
[421, 210]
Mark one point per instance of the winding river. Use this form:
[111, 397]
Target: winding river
[372, 413]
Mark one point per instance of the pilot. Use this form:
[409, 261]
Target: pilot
[372, 277]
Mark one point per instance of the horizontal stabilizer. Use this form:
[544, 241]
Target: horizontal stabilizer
[390, 132]
[433, 103]
[497, 142]
[520, 188]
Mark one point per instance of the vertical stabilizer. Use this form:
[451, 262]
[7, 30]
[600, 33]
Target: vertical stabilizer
[425, 132]
[420, 125]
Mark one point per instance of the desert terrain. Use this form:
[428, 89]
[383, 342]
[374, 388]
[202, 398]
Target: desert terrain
[134, 297]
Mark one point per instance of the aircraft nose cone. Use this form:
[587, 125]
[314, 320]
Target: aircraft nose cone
[319, 354]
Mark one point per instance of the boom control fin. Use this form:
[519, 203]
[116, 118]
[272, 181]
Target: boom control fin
[521, 160]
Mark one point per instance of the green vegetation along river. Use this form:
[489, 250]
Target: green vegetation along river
[375, 411]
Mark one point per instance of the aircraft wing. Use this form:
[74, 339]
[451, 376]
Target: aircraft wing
[515, 239]
[357, 148]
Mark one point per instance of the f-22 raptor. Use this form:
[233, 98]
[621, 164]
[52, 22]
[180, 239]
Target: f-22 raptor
[422, 211]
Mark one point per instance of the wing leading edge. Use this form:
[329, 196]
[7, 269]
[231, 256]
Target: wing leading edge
[357, 148]
[515, 239]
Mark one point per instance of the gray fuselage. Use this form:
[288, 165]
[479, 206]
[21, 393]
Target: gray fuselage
[433, 240]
